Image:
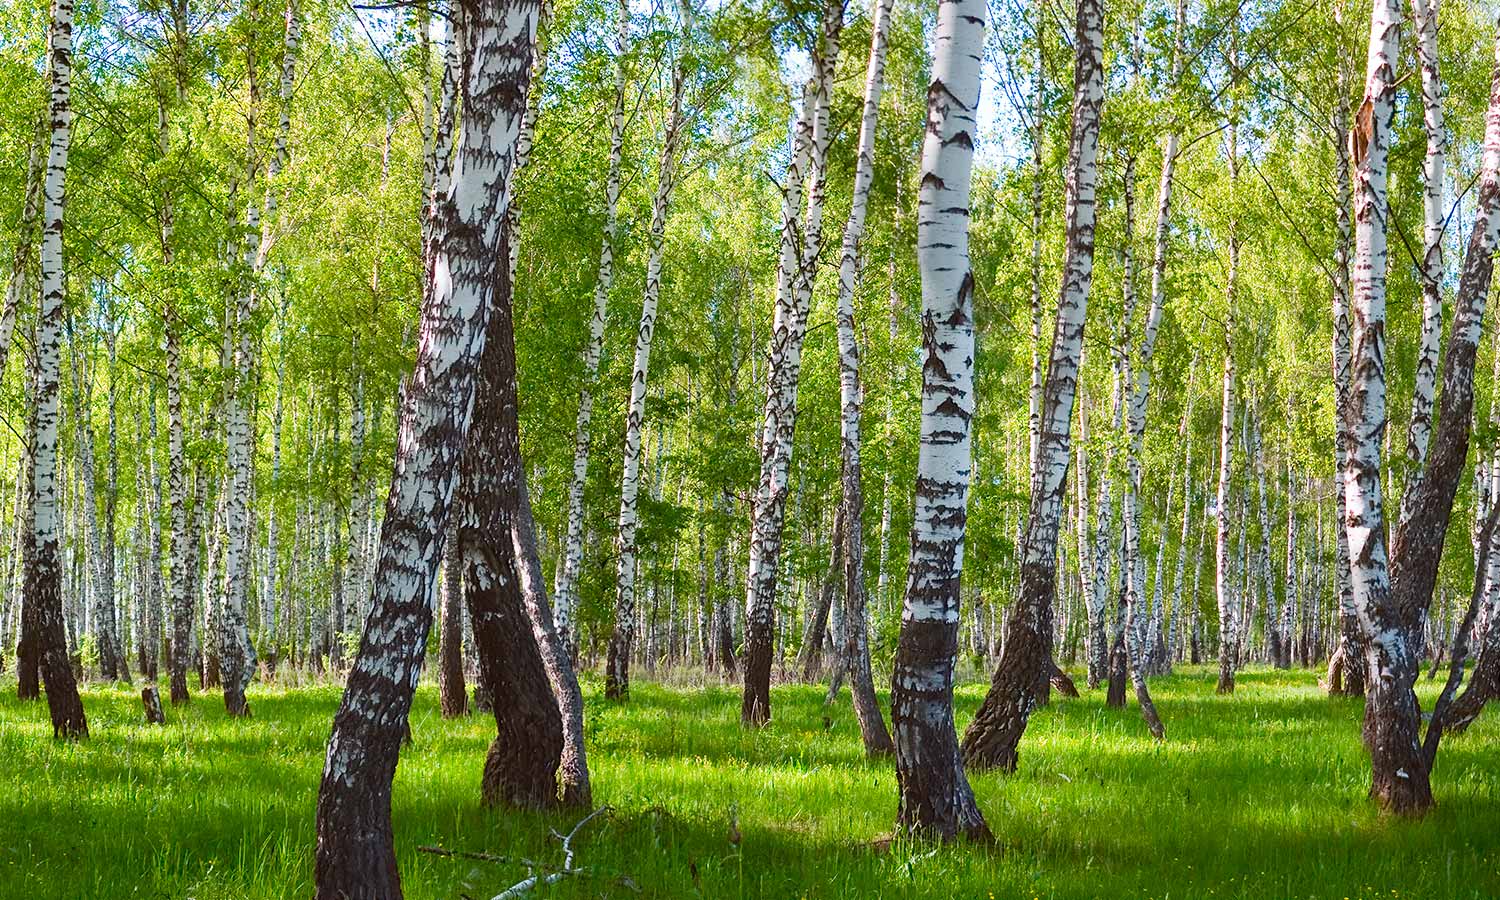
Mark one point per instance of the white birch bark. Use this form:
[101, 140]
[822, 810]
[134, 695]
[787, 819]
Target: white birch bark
[934, 796]
[355, 856]
[565, 596]
[854, 646]
[45, 583]
[237, 653]
[796, 274]
[1025, 665]
[617, 678]
[1388, 652]
[1433, 269]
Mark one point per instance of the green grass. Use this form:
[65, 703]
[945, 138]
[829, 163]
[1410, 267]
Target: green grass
[1259, 795]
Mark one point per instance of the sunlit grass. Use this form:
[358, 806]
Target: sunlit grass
[1259, 795]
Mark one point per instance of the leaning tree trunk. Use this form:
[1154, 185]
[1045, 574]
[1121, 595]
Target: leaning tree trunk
[795, 278]
[855, 654]
[1393, 621]
[355, 856]
[617, 671]
[521, 767]
[934, 797]
[1026, 660]
[565, 594]
[44, 578]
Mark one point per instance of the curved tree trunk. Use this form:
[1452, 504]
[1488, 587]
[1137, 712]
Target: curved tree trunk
[521, 767]
[797, 271]
[1026, 660]
[934, 797]
[355, 856]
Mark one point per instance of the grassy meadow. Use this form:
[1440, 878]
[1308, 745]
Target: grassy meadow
[1258, 795]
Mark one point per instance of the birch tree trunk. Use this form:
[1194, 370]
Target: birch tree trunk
[1393, 620]
[1026, 660]
[855, 653]
[521, 766]
[565, 594]
[1223, 565]
[934, 797]
[238, 654]
[1393, 744]
[796, 274]
[1433, 270]
[617, 672]
[355, 856]
[1346, 667]
[44, 580]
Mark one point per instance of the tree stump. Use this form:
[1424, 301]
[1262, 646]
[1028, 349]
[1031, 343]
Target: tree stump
[151, 701]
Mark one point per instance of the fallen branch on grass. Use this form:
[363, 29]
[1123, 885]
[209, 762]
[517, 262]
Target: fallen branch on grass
[526, 884]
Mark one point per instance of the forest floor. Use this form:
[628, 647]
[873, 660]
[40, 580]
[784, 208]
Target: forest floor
[1258, 795]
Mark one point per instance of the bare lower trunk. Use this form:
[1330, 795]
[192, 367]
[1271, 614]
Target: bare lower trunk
[934, 797]
[355, 856]
[1026, 660]
[796, 273]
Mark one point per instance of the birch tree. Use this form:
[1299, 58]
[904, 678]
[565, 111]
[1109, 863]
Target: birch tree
[44, 578]
[933, 793]
[565, 593]
[237, 653]
[617, 672]
[795, 277]
[355, 856]
[1026, 661]
[855, 655]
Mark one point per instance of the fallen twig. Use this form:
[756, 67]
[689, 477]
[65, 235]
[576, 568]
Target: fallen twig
[542, 877]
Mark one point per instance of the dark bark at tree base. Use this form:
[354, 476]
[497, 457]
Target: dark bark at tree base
[1063, 683]
[992, 738]
[1392, 734]
[1226, 675]
[617, 669]
[28, 654]
[151, 702]
[755, 707]
[520, 769]
[725, 653]
[235, 703]
[1117, 673]
[934, 797]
